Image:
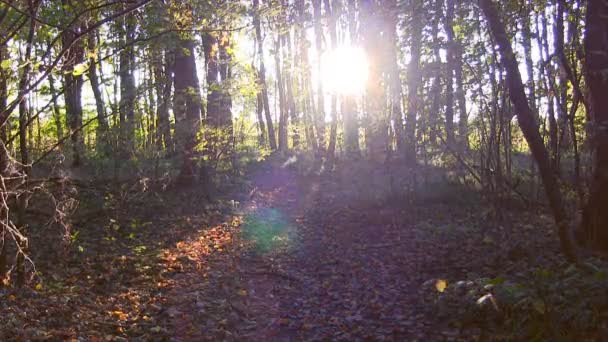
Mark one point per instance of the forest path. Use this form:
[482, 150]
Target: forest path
[336, 269]
[300, 261]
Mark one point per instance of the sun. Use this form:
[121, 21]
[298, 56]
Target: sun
[344, 70]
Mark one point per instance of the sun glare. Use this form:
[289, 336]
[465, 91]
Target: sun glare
[344, 70]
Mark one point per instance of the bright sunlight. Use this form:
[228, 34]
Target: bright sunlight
[344, 70]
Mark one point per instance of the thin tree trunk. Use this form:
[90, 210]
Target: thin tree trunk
[436, 87]
[22, 201]
[377, 139]
[127, 87]
[395, 80]
[56, 109]
[163, 76]
[320, 111]
[413, 80]
[281, 91]
[262, 76]
[333, 14]
[73, 91]
[102, 122]
[529, 127]
[349, 103]
[449, 107]
[4, 74]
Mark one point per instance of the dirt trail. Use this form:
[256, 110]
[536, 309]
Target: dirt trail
[304, 259]
[339, 277]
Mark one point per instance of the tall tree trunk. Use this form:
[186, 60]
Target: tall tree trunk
[526, 32]
[529, 127]
[449, 99]
[163, 76]
[395, 80]
[436, 87]
[214, 96]
[22, 200]
[463, 125]
[377, 141]
[102, 121]
[127, 87]
[56, 109]
[413, 82]
[547, 78]
[210, 48]
[187, 108]
[281, 91]
[73, 88]
[260, 111]
[289, 83]
[320, 111]
[333, 13]
[225, 67]
[562, 90]
[349, 103]
[4, 74]
[262, 76]
[595, 215]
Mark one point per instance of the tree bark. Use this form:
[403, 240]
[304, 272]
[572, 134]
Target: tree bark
[127, 87]
[595, 215]
[449, 99]
[72, 88]
[377, 139]
[187, 108]
[394, 75]
[4, 74]
[333, 13]
[413, 80]
[320, 111]
[102, 122]
[262, 76]
[281, 91]
[163, 76]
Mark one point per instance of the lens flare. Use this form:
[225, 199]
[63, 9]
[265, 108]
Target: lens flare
[344, 70]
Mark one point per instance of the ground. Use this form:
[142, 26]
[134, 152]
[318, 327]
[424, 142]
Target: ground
[291, 255]
[308, 259]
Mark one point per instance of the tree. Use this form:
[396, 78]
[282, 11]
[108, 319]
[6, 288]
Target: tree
[262, 75]
[595, 216]
[414, 77]
[187, 107]
[126, 31]
[73, 83]
[529, 127]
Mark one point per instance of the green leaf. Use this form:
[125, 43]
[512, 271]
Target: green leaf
[6, 64]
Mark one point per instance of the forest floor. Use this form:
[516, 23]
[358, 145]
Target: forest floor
[288, 257]
[305, 259]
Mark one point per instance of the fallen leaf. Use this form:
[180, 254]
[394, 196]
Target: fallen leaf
[441, 285]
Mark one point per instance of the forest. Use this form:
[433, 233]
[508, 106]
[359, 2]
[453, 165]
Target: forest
[303, 170]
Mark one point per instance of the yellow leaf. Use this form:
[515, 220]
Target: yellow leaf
[539, 306]
[80, 69]
[441, 284]
[242, 292]
[120, 315]
[38, 287]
